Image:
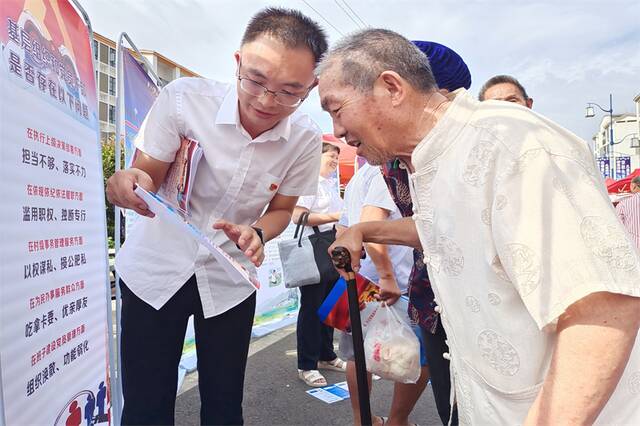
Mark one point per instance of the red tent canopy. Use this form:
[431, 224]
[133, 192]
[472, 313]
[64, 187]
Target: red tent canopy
[622, 185]
[346, 161]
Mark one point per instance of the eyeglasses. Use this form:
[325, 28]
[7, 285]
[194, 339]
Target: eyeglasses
[256, 89]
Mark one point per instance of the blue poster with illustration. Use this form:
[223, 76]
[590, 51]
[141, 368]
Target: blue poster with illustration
[139, 94]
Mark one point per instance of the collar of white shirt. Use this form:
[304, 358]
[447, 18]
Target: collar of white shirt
[444, 133]
[230, 114]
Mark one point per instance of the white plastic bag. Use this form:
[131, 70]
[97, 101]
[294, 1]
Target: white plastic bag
[391, 349]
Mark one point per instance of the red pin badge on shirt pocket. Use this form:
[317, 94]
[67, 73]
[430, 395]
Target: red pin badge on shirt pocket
[273, 187]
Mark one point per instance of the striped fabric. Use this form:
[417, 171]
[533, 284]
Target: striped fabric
[628, 211]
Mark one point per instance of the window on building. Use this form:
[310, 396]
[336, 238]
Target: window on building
[104, 83]
[112, 86]
[104, 53]
[103, 112]
[112, 56]
[96, 46]
[112, 114]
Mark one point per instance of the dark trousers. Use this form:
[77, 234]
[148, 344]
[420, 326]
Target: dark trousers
[435, 346]
[315, 340]
[151, 346]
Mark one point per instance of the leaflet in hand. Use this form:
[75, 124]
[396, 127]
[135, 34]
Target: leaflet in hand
[176, 188]
[170, 214]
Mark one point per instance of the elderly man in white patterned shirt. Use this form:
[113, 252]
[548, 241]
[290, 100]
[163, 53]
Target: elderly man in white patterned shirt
[537, 284]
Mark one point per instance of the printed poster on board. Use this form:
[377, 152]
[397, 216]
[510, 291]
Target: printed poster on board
[54, 356]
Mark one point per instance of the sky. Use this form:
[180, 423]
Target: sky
[565, 53]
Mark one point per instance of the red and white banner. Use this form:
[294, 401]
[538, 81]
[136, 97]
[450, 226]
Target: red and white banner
[53, 295]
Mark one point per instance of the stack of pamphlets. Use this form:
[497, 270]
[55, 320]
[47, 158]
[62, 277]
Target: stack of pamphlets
[176, 187]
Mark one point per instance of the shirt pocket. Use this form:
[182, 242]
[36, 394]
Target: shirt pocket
[267, 185]
[521, 393]
[479, 399]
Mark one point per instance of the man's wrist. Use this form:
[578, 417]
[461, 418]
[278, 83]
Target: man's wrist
[260, 233]
[385, 275]
[360, 228]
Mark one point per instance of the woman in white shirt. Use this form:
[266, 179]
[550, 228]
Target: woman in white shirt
[315, 340]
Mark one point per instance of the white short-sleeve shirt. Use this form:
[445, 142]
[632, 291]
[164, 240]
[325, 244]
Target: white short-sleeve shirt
[368, 188]
[516, 226]
[235, 180]
[327, 200]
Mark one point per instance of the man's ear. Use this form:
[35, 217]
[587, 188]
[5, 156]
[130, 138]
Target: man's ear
[530, 103]
[237, 56]
[393, 86]
[313, 85]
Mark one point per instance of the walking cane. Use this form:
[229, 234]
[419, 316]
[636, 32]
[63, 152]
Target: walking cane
[342, 260]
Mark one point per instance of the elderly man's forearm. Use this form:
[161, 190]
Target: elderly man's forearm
[399, 232]
[595, 338]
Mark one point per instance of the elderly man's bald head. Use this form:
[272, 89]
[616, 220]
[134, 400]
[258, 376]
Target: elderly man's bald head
[364, 55]
[380, 91]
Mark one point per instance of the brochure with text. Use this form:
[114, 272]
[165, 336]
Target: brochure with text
[168, 213]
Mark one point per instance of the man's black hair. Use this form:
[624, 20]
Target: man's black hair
[290, 27]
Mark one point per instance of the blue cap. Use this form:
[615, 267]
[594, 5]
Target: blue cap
[448, 68]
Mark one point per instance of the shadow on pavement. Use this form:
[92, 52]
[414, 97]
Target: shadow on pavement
[275, 396]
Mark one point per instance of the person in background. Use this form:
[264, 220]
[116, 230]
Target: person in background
[314, 339]
[451, 73]
[259, 155]
[368, 199]
[505, 88]
[628, 210]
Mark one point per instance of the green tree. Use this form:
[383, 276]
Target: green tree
[108, 168]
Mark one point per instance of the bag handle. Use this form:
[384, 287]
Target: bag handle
[392, 312]
[316, 230]
[302, 222]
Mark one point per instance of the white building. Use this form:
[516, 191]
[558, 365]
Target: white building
[625, 131]
[165, 68]
[105, 56]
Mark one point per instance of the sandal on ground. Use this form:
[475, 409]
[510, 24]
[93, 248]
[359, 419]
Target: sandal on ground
[384, 420]
[312, 378]
[335, 365]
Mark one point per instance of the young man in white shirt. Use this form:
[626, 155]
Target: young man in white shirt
[537, 283]
[259, 156]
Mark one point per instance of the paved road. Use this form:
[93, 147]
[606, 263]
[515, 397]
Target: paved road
[275, 396]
